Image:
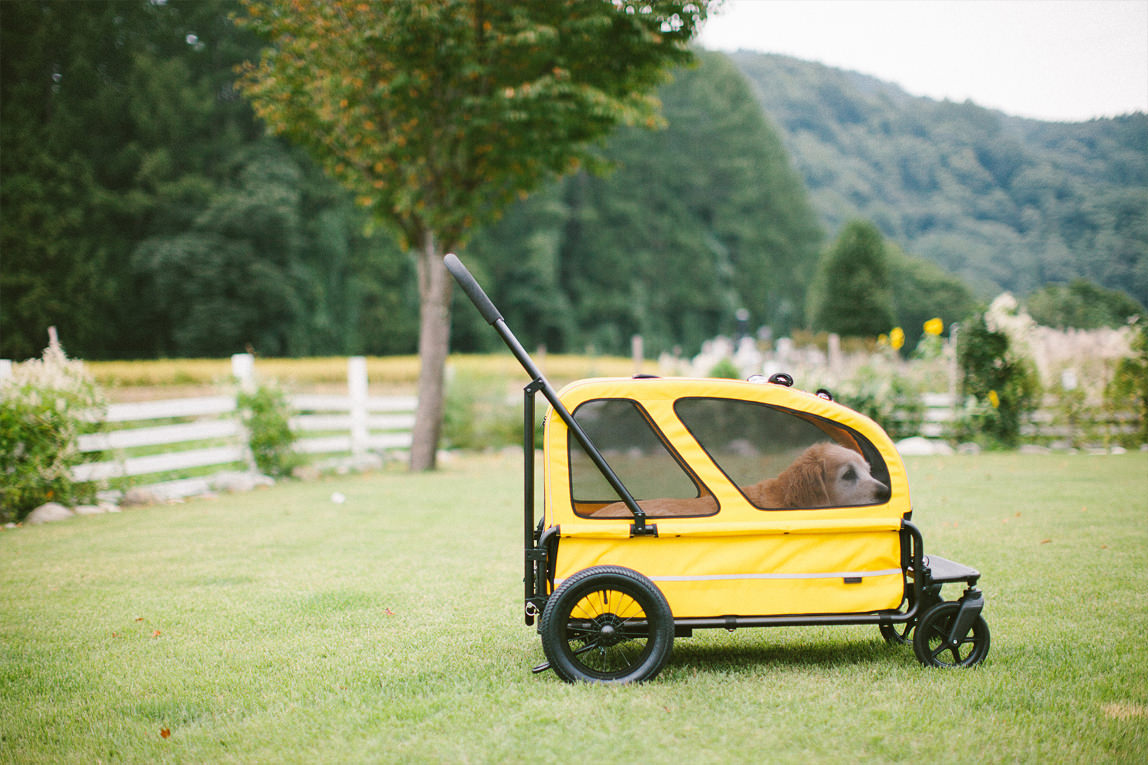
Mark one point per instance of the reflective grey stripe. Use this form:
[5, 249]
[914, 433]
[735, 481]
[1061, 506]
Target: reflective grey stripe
[734, 577]
[727, 577]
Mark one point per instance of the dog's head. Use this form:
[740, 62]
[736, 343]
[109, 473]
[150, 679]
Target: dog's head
[829, 475]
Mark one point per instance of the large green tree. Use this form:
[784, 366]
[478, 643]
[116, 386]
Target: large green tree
[700, 220]
[852, 293]
[440, 113]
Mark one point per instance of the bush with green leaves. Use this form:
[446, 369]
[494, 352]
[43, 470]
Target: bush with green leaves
[482, 413]
[45, 405]
[1128, 389]
[891, 399]
[266, 413]
[725, 368]
[1001, 385]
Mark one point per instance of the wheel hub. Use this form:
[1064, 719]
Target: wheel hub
[609, 630]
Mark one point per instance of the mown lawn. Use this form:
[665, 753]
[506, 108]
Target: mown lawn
[281, 626]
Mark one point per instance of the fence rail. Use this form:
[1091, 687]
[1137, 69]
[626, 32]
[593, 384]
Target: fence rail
[1047, 424]
[209, 432]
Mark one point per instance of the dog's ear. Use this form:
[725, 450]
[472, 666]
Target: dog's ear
[803, 482]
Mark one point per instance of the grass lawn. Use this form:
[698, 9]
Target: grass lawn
[279, 626]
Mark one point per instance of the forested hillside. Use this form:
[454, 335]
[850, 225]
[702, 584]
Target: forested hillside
[145, 212]
[1004, 202]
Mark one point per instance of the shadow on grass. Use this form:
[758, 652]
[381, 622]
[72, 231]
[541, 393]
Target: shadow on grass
[759, 655]
[754, 656]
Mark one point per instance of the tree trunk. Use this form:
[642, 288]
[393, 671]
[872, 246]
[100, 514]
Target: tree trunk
[434, 343]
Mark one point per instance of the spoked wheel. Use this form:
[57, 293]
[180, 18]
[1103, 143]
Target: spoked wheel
[898, 634]
[931, 642]
[607, 624]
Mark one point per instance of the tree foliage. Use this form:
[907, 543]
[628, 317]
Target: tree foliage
[1003, 383]
[129, 161]
[1082, 304]
[437, 114]
[1129, 386]
[922, 290]
[853, 295]
[695, 221]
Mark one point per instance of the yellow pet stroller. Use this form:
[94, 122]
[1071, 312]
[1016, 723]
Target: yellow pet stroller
[679, 504]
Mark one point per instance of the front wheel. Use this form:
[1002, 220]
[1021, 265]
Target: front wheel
[607, 624]
[897, 634]
[931, 640]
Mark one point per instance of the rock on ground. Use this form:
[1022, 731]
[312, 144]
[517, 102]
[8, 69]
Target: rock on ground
[918, 446]
[47, 513]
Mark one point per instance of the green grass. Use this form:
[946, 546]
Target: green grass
[279, 626]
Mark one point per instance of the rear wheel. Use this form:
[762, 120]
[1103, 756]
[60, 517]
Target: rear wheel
[931, 641]
[607, 624]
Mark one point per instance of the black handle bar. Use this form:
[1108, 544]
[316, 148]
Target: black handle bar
[486, 307]
[472, 288]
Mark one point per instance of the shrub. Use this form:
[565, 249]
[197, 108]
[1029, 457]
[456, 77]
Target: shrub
[890, 399]
[267, 415]
[44, 406]
[481, 414]
[726, 369]
[1129, 386]
[1002, 385]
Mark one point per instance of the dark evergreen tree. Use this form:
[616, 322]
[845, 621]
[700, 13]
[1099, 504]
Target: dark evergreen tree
[127, 158]
[853, 295]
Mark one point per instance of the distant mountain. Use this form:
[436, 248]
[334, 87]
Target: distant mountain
[1003, 202]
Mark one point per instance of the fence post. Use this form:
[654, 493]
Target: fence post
[5, 369]
[243, 370]
[357, 390]
[833, 353]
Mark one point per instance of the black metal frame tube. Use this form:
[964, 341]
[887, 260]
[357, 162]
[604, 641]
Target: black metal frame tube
[529, 546]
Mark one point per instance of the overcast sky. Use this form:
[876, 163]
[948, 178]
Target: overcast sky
[1063, 60]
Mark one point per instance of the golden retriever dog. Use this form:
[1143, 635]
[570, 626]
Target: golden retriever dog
[824, 475]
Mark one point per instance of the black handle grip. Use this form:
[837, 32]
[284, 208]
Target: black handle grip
[472, 289]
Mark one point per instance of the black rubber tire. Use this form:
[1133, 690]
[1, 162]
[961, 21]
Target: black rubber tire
[898, 634]
[607, 624]
[930, 639]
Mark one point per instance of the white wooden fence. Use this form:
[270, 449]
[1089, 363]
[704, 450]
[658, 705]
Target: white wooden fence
[207, 431]
[1047, 425]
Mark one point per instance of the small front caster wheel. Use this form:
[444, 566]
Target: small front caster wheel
[931, 641]
[607, 624]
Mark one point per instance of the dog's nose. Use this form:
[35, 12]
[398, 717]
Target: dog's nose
[883, 492]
